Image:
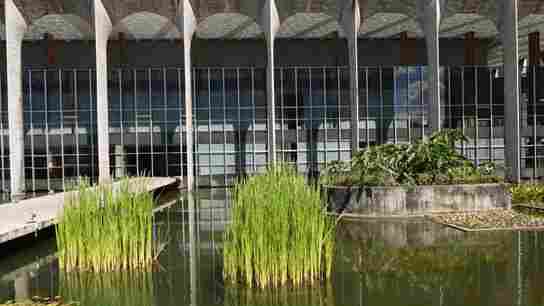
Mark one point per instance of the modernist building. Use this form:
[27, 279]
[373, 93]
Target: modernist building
[212, 89]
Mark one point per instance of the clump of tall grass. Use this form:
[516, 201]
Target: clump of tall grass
[106, 227]
[279, 234]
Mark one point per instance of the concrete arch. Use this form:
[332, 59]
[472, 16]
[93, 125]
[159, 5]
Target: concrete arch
[61, 26]
[527, 8]
[528, 24]
[289, 8]
[309, 25]
[458, 24]
[118, 10]
[33, 10]
[385, 24]
[146, 25]
[486, 8]
[204, 9]
[228, 26]
[374, 7]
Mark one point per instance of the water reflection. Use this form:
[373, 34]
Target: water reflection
[435, 265]
[380, 262]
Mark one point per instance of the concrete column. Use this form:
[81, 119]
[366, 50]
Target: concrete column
[22, 286]
[103, 28]
[430, 11]
[269, 21]
[350, 20]
[508, 27]
[16, 27]
[187, 23]
[120, 161]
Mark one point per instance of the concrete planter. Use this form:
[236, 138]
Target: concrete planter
[416, 201]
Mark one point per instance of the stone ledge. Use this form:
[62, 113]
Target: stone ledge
[30, 216]
[417, 200]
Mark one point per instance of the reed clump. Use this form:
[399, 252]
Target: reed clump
[279, 234]
[106, 227]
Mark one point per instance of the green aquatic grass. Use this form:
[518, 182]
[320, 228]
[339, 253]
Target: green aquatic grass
[323, 296]
[279, 234]
[106, 227]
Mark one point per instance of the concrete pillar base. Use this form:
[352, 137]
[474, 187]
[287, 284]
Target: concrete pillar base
[120, 161]
[17, 197]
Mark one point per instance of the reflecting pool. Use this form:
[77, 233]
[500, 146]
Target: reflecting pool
[379, 262]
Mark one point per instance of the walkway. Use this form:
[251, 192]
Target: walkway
[29, 216]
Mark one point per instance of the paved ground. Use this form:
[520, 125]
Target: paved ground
[28, 216]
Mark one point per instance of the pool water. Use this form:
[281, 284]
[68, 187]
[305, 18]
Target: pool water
[379, 262]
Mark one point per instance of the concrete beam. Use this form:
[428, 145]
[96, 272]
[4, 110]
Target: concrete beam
[508, 27]
[103, 29]
[269, 21]
[429, 18]
[350, 21]
[187, 23]
[16, 27]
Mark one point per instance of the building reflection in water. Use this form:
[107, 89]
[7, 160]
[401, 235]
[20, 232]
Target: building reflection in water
[379, 262]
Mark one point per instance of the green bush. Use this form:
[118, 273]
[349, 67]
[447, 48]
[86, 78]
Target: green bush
[527, 194]
[432, 161]
[279, 233]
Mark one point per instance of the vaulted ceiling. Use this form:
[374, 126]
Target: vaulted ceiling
[300, 19]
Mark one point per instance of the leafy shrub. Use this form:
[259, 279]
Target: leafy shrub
[527, 194]
[433, 161]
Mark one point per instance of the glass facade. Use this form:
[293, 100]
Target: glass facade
[313, 116]
[532, 122]
[474, 102]
[147, 119]
[230, 123]
[60, 127]
[313, 119]
[393, 106]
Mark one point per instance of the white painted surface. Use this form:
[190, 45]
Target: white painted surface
[28, 216]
